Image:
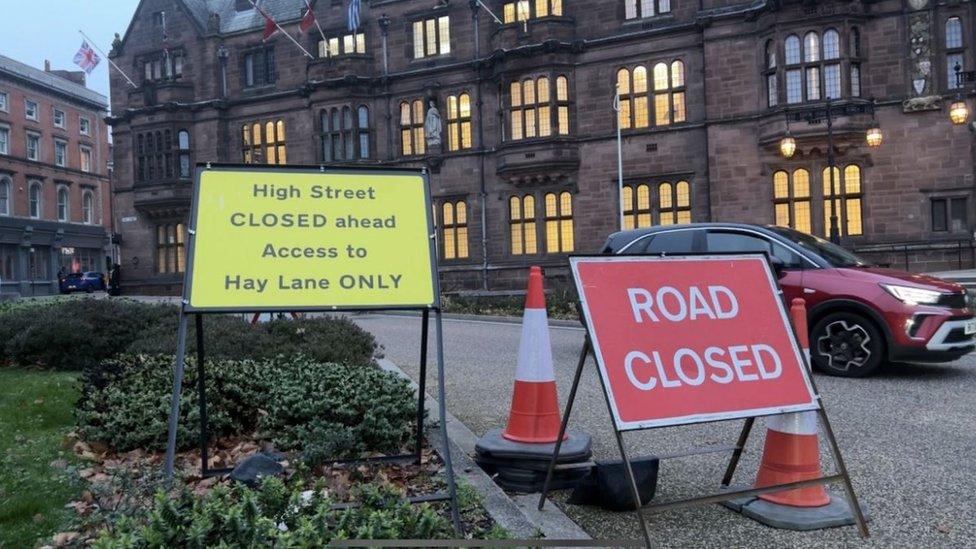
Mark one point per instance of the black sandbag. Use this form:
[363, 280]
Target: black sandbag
[608, 487]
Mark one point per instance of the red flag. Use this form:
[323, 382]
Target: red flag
[307, 20]
[270, 27]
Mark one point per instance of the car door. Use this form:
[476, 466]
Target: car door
[732, 240]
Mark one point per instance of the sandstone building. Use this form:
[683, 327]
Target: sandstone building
[527, 171]
[55, 199]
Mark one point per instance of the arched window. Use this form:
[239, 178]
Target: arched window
[811, 47]
[559, 223]
[669, 93]
[792, 49]
[846, 202]
[34, 199]
[522, 225]
[348, 144]
[454, 230]
[459, 122]
[267, 147]
[63, 204]
[4, 196]
[637, 206]
[772, 80]
[955, 51]
[674, 202]
[531, 107]
[791, 199]
[632, 86]
[831, 45]
[770, 54]
[855, 42]
[412, 128]
[88, 207]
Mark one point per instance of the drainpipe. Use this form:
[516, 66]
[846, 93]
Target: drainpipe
[483, 198]
[384, 23]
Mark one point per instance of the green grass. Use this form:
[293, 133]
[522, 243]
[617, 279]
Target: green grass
[35, 414]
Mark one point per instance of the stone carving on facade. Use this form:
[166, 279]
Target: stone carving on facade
[920, 52]
[927, 103]
[917, 4]
[432, 125]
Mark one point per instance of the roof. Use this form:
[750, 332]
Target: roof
[232, 20]
[51, 81]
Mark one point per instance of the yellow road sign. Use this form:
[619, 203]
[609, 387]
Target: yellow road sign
[267, 238]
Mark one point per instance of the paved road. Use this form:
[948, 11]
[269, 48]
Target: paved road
[908, 435]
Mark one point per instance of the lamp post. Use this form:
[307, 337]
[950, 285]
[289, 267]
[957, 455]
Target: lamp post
[620, 158]
[826, 113]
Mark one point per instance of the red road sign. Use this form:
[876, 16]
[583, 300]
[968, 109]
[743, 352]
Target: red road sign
[682, 340]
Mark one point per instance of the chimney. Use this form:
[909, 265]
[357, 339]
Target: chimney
[47, 66]
[242, 5]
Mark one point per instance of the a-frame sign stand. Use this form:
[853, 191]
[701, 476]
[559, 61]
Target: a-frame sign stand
[187, 309]
[723, 495]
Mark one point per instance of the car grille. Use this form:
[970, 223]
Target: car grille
[953, 301]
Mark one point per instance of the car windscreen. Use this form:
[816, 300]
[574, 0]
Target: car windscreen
[831, 253]
[74, 275]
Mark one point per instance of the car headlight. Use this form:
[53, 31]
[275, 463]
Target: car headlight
[913, 296]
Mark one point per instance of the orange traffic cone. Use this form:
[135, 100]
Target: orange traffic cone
[534, 415]
[792, 451]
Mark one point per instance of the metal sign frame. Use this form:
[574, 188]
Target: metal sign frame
[424, 308]
[725, 494]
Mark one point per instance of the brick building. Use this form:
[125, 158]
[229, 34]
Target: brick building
[55, 199]
[527, 171]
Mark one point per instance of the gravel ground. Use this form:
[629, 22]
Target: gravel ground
[908, 436]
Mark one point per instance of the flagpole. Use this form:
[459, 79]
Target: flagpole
[109, 59]
[491, 13]
[316, 19]
[269, 18]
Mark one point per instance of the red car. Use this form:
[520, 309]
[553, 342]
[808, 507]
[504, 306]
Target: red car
[860, 315]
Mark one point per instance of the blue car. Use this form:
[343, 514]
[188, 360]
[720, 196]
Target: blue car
[82, 282]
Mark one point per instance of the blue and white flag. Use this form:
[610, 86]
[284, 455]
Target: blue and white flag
[354, 15]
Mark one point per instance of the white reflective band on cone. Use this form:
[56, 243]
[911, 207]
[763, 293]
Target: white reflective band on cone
[799, 423]
[535, 351]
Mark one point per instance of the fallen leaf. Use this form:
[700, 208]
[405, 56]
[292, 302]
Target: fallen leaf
[64, 538]
[59, 463]
[39, 401]
[38, 518]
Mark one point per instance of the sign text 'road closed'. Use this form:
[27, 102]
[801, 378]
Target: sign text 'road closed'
[300, 239]
[686, 340]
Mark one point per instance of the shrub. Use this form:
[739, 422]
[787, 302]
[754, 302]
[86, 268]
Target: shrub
[274, 514]
[347, 409]
[125, 403]
[78, 333]
[561, 303]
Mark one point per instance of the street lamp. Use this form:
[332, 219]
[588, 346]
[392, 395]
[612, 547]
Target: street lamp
[958, 109]
[827, 112]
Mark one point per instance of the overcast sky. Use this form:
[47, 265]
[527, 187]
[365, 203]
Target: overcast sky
[35, 30]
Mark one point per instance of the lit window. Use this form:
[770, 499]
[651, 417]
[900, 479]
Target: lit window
[674, 202]
[346, 44]
[264, 143]
[559, 223]
[459, 122]
[847, 201]
[431, 37]
[523, 10]
[170, 248]
[531, 108]
[522, 225]
[669, 93]
[412, 128]
[791, 199]
[637, 206]
[454, 230]
[632, 86]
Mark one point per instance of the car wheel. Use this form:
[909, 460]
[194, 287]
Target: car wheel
[847, 345]
[89, 290]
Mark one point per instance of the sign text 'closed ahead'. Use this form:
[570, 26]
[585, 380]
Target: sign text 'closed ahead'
[690, 339]
[293, 239]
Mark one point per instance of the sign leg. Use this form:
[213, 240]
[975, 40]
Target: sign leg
[422, 382]
[442, 412]
[202, 399]
[174, 411]
[862, 525]
[562, 428]
[633, 486]
[737, 453]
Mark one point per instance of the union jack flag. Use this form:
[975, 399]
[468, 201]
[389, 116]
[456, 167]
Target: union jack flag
[86, 58]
